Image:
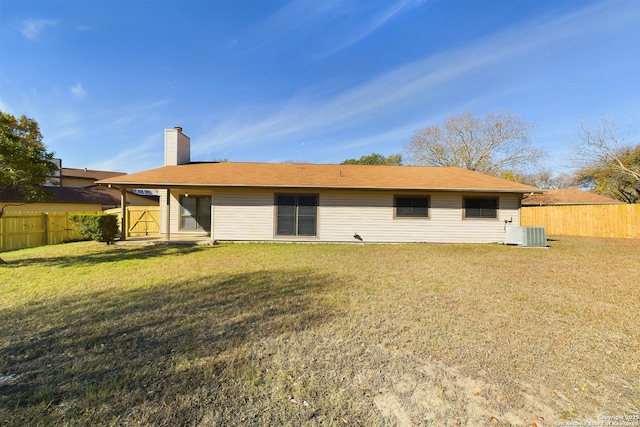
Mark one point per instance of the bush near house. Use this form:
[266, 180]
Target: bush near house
[101, 228]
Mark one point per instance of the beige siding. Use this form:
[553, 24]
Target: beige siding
[175, 212]
[370, 214]
[77, 182]
[242, 214]
[163, 211]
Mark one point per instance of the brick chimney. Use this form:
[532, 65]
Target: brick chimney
[177, 147]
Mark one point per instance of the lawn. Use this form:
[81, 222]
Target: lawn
[288, 334]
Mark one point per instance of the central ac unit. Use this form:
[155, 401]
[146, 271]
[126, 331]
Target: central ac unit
[527, 236]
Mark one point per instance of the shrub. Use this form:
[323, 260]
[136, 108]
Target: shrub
[101, 228]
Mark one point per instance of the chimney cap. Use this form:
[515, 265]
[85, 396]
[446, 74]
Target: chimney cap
[178, 128]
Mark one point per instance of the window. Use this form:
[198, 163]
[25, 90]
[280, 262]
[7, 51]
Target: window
[296, 215]
[481, 207]
[411, 207]
[195, 213]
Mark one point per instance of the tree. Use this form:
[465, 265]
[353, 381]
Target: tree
[25, 162]
[546, 179]
[491, 144]
[510, 175]
[605, 163]
[376, 159]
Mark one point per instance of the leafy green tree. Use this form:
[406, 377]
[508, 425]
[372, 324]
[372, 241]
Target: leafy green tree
[606, 163]
[491, 144]
[25, 162]
[510, 175]
[376, 159]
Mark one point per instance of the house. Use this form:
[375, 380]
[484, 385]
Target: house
[82, 178]
[74, 190]
[73, 199]
[568, 196]
[326, 203]
[72, 177]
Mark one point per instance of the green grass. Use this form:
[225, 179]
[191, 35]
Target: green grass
[279, 334]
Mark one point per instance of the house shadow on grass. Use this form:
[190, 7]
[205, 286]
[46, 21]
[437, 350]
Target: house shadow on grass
[110, 254]
[102, 358]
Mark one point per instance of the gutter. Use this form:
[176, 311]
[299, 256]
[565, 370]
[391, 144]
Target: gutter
[166, 185]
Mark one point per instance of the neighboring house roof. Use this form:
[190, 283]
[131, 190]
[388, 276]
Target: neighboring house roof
[292, 175]
[567, 196]
[88, 174]
[83, 195]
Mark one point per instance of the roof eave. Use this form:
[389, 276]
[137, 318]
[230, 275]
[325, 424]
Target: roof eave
[161, 185]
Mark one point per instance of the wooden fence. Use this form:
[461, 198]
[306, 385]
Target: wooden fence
[141, 220]
[19, 230]
[585, 220]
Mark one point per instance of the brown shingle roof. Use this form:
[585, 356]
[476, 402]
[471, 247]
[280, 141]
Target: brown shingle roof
[84, 195]
[229, 174]
[88, 174]
[567, 196]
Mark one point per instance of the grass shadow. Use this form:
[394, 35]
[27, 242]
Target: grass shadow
[121, 352]
[111, 254]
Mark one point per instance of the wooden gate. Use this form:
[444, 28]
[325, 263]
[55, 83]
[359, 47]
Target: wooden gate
[141, 220]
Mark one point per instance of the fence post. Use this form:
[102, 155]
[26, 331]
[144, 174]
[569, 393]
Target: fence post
[45, 228]
[124, 224]
[2, 233]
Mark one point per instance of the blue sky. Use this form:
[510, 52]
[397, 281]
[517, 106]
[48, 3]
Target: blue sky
[314, 81]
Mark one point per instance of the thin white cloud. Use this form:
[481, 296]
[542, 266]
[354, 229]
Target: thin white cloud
[370, 26]
[31, 28]
[62, 133]
[327, 26]
[78, 92]
[126, 123]
[137, 112]
[416, 86]
[389, 137]
[145, 154]
[290, 24]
